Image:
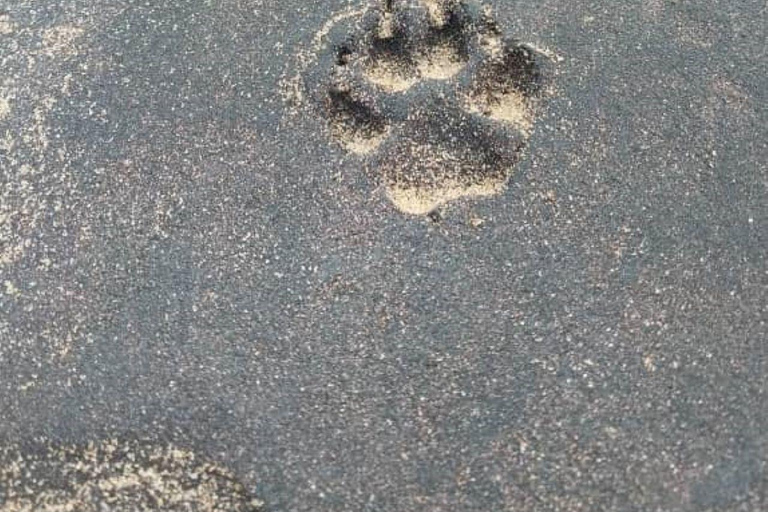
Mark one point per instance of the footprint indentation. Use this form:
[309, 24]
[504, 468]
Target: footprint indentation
[433, 95]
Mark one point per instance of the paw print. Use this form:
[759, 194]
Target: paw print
[431, 94]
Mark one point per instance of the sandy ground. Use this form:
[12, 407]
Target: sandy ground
[190, 259]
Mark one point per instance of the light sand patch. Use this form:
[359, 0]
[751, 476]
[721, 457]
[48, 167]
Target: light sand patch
[509, 107]
[119, 477]
[437, 12]
[12, 252]
[423, 177]
[7, 142]
[440, 63]
[549, 53]
[5, 107]
[7, 27]
[60, 41]
[11, 290]
[390, 76]
[421, 201]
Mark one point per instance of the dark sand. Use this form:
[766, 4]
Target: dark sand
[186, 261]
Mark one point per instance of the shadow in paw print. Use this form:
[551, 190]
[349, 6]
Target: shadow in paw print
[355, 124]
[432, 94]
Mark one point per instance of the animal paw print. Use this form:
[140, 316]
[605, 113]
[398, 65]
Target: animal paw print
[431, 94]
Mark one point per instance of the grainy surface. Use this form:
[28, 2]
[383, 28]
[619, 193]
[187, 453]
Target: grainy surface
[183, 261]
